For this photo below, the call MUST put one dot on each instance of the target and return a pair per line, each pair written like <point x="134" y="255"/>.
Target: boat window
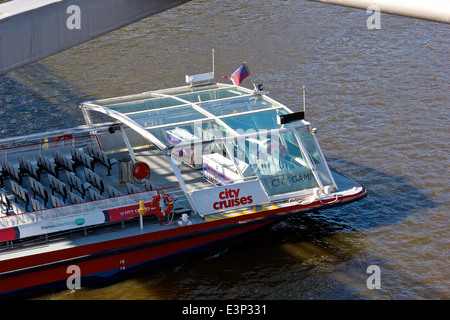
<point x="207" y="95"/>
<point x="276" y="159"/>
<point x="234" y="106"/>
<point x="311" y="146"/>
<point x="229" y="109"/>
<point x="201" y="130"/>
<point x="252" y="122"/>
<point x="165" y="116"/>
<point x="149" y="103"/>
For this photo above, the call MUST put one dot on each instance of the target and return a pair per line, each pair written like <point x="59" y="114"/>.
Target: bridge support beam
<point x="435" y="10"/>
<point x="31" y="30"/>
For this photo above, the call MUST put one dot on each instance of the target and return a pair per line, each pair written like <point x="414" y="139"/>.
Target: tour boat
<point x="153" y="175"/>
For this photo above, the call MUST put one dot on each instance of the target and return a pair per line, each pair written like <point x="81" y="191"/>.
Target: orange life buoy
<point x="156" y="208"/>
<point x="63" y="138"/>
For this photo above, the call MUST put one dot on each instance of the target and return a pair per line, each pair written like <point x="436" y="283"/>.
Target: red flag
<point x="239" y="75"/>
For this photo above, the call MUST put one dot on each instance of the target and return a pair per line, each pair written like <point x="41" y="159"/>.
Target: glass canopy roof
<point x="193" y="113"/>
<point x="247" y="138"/>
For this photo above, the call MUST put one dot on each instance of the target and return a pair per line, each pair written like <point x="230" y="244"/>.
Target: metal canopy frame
<point x="156" y="107"/>
<point x="125" y="118"/>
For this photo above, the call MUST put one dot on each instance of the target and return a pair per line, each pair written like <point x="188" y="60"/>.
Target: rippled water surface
<point x="379" y="98"/>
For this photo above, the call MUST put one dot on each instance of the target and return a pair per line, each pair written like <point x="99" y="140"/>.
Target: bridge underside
<point x="31" y="30"/>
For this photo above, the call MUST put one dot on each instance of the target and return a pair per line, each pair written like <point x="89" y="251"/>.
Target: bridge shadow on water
<point x="34" y="99"/>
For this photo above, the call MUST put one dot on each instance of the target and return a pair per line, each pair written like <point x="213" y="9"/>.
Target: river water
<point x="379" y="98"/>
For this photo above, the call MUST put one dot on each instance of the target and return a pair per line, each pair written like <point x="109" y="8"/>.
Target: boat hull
<point x="105" y="261"/>
<point x="107" y="266"/>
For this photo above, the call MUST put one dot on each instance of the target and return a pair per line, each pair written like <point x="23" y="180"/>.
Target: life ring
<point x="64" y="137"/>
<point x="156" y="208"/>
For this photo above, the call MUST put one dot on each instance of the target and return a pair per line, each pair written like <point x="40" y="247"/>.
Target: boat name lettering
<point x="132" y="211"/>
<point x="229" y="193"/>
<point x="280" y="181"/>
<point x="230" y="198"/>
<point x="128" y="212"/>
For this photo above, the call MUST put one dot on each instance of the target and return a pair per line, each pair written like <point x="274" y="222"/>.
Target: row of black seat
<point x="101" y="157"/>
<point x="64" y="190"/>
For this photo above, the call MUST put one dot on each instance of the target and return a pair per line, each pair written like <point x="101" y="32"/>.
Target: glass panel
<point x="252" y="122"/>
<point x="276" y="159"/>
<point x="149" y="101"/>
<point x="213" y="94"/>
<point x="236" y="105"/>
<point x="166" y="116"/>
<point x="148" y="104"/>
<point x="312" y="148"/>
<point x="190" y="132"/>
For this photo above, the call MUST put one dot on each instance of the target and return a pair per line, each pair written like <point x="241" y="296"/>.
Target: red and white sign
<point x="229" y="197"/>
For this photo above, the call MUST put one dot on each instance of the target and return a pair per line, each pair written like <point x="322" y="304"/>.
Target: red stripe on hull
<point x="125" y="252"/>
<point x="115" y="262"/>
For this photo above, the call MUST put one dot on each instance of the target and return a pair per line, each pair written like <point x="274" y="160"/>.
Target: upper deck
<point x="199" y="112"/>
<point x="234" y="134"/>
<point x="213" y="147"/>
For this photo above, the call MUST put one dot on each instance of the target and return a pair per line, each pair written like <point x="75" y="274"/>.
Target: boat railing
<point x="14" y="147"/>
<point x="83" y="209"/>
<point x="212" y="184"/>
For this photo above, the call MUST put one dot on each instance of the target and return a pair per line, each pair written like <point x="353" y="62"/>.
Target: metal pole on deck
<point x="304" y="99"/>
<point x="250" y="74"/>
<point x="213" y="61"/>
<point x="142" y="210"/>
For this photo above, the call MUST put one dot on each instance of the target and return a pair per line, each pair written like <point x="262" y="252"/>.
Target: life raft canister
<point x="156" y="208"/>
<point x="141" y="171"/>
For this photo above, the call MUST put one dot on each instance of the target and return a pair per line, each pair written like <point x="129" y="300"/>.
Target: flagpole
<point x="250" y="74"/>
<point x="213" y="60"/>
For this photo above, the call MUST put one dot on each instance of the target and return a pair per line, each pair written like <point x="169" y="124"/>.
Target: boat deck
<point x="190" y="138"/>
<point x="31" y="186"/>
<point x="161" y="173"/>
<point x="131" y="227"/>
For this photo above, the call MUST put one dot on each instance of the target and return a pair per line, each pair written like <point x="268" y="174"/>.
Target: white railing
<point x="76" y="209"/>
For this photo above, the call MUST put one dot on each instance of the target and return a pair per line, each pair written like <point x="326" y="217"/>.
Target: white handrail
<point x="75" y="209"/>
